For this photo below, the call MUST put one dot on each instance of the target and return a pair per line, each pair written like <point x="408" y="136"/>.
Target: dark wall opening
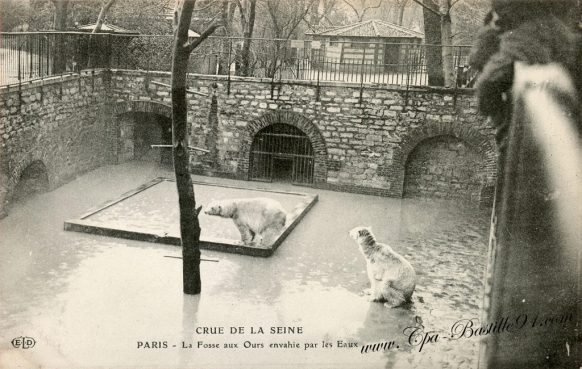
<point x="33" y="179"/>
<point x="152" y="129"/>
<point x="139" y="131"/>
<point x="282" y="152"/>
<point x="444" y="167"/>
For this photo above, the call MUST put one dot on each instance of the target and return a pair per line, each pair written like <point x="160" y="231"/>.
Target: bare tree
<point x="285" y="17"/>
<point x="60" y="24"/>
<point x="437" y="31"/>
<point x="227" y="13"/>
<point x="98" y="25"/>
<point x="248" y="11"/>
<point x="189" y="223"/>
<point x="321" y="10"/>
<point x="400" y="7"/>
<point x="362" y="7"/>
<point x="61" y="12"/>
<point x="102" y="14"/>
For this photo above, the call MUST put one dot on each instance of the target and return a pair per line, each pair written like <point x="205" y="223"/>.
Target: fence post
<point x="19" y="79"/>
<point x="362" y="74"/>
<point x="456" y="66"/>
<point x="317" y="89"/>
<point x="29" y="47"/>
<point x="48" y="55"/>
<point x="228" y="66"/>
<point x="408" y="72"/>
<point x="19" y="67"/>
<point x="109" y="53"/>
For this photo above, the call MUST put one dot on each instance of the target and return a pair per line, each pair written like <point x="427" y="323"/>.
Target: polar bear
<point x="259" y="220"/>
<point x="392" y="278"/>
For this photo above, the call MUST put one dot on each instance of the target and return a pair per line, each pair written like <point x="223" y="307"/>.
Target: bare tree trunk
<point x="225" y="54"/>
<point x="60" y="24"/>
<point x="248" y="34"/>
<point x="102" y="14"/>
<point x="60" y="18"/>
<point x="432" y="36"/>
<point x="447" y="42"/>
<point x="189" y="224"/>
<point x="401" y="8"/>
<point x="100" y="19"/>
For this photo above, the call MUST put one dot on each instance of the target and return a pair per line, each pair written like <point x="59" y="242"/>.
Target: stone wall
<point x="362" y="136"/>
<point x="444" y="167"/>
<point x="60" y="122"/>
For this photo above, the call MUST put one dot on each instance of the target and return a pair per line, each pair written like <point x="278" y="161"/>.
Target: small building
<point x="370" y="43"/>
<point x="100" y="47"/>
<point x="105" y="28"/>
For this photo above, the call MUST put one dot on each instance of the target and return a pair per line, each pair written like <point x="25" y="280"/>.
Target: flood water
<point x="91" y="301"/>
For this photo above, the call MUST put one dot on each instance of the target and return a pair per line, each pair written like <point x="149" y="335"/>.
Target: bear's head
<point x="361" y="233"/>
<point x="213" y="208"/>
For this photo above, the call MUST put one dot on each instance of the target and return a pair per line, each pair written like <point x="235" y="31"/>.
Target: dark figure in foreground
<point x="529" y="53"/>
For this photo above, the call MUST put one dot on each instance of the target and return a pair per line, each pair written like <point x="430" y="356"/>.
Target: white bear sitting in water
<point x="259" y="220"/>
<point x="392" y="278"/>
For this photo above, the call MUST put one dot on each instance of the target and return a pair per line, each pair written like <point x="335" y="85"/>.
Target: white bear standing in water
<point x="259" y="220"/>
<point x="392" y="278"/>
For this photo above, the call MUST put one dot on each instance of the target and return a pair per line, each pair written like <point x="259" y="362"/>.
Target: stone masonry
<point x="61" y="122"/>
<point x="361" y="135"/>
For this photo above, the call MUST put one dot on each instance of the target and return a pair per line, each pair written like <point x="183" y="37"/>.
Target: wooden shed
<point x="371" y="43"/>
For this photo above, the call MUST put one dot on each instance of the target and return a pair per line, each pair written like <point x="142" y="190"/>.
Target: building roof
<point x="371" y="28"/>
<point x="106" y="28"/>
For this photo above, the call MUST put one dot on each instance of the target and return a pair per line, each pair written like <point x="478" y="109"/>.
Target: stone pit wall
<point x="362" y="135"/>
<point x="62" y="122"/>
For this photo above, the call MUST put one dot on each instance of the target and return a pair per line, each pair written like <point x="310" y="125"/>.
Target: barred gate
<point x="281" y="152"/>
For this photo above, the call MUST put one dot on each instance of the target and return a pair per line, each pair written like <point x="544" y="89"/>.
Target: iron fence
<point x="26" y="56"/>
<point x="281" y="152"/>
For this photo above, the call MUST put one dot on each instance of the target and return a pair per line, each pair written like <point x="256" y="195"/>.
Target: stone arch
<point x="128" y="131"/>
<point x="17" y="169"/>
<point x="477" y="141"/>
<point x="33" y="179"/>
<point x="143" y="106"/>
<point x="296" y="120"/>
<point x="11" y="174"/>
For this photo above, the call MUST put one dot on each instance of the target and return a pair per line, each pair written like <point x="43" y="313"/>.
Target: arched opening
<point x="444" y="167"/>
<point x="139" y="131"/>
<point x="33" y="179"/>
<point x="282" y="152"/>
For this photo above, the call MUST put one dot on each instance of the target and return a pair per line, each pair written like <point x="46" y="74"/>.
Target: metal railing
<point x="26" y="56"/>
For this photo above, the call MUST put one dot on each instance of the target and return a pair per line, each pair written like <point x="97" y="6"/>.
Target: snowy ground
<point x="91" y="301"/>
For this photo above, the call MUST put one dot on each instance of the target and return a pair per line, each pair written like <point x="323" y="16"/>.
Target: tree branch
<point x="243" y="17"/>
<point x="353" y="8"/>
<point x="368" y="8"/>
<point x="419" y="2"/>
<point x="209" y="31"/>
<point x="102" y="14"/>
<point x="203" y="8"/>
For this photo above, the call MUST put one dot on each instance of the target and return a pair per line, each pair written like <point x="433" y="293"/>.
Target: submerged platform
<point x="150" y="213"/>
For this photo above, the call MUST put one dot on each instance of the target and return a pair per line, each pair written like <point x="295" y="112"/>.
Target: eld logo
<point x="24" y="343"/>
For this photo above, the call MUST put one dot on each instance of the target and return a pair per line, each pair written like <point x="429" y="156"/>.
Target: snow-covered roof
<point x="106" y="28"/>
<point x="371" y="28"/>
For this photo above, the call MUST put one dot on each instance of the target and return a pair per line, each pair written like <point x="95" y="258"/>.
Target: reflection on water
<point x="88" y="300"/>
